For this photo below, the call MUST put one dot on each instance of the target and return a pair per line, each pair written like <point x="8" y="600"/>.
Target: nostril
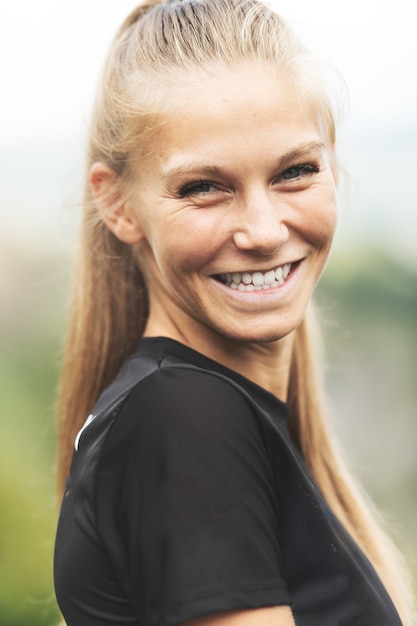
<point x="265" y="241"/>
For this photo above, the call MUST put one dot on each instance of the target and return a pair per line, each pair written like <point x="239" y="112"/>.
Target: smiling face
<point x="236" y="206"/>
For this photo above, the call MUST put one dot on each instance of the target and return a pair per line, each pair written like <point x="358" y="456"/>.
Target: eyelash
<point x="305" y="169"/>
<point x="195" y="187"/>
<point x="202" y="186"/>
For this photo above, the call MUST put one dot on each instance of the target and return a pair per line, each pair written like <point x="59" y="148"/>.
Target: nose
<point x="260" y="225"/>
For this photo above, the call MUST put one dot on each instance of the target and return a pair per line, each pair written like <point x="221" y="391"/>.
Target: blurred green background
<point x="369" y="312"/>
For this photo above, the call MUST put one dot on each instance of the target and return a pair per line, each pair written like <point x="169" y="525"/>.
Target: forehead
<point x="214" y="88"/>
<point x="210" y="113"/>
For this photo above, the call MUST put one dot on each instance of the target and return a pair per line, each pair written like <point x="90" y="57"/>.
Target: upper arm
<point x="268" y="616"/>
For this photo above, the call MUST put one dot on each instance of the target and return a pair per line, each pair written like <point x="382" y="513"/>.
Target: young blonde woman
<point x="204" y="487"/>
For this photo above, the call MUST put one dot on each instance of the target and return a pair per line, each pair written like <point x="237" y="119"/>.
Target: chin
<point x="260" y="335"/>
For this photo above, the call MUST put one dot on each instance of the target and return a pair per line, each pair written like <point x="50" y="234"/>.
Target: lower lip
<point x="263" y="294"/>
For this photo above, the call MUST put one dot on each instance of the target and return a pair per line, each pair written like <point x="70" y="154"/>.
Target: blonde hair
<point x="156" y="45"/>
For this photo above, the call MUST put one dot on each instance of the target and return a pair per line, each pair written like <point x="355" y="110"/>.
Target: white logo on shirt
<point x="86" y="423"/>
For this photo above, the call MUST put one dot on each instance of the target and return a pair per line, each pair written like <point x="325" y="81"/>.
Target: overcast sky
<point x="51" y="52"/>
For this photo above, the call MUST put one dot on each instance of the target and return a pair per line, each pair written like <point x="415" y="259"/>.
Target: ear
<point x="118" y="216"/>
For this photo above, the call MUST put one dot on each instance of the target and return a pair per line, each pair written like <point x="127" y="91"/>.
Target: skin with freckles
<point x="242" y="183"/>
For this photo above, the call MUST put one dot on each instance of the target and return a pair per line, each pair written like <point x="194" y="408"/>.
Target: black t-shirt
<point x="186" y="496"/>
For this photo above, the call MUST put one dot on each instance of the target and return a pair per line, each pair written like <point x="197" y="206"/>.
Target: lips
<point x="256" y="281"/>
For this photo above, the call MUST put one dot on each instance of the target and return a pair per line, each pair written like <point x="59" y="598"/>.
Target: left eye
<point x="298" y="171"/>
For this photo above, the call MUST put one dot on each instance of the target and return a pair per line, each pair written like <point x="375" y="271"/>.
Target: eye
<point x="199" y="187"/>
<point x="297" y="172"/>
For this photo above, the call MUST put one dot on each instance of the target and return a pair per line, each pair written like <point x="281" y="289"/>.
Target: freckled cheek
<point x="320" y="223"/>
<point x="328" y="224"/>
<point x="183" y="254"/>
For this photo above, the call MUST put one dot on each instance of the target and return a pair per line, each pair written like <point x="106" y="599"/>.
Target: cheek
<point x="181" y="252"/>
<point x="190" y="243"/>
<point x="321" y="219"/>
<point x="327" y="224"/>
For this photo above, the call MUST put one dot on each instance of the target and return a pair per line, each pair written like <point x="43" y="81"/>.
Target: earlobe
<point x="117" y="214"/>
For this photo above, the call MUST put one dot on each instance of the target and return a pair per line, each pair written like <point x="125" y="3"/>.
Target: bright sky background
<point x="51" y="52"/>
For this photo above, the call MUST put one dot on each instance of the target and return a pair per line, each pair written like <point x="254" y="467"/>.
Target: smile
<point x="256" y="281"/>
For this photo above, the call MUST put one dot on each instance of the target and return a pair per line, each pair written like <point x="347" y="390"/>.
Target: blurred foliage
<point x="368" y="308"/>
<point x="368" y="304"/>
<point x="31" y="323"/>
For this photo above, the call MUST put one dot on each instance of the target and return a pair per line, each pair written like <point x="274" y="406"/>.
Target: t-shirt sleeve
<point x="185" y="500"/>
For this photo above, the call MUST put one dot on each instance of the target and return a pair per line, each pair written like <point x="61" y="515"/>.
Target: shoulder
<point x="185" y="397"/>
<point x="184" y="433"/>
<point x="182" y="417"/>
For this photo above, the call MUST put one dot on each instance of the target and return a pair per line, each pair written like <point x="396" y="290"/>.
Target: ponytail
<point x="109" y="309"/>
<point x="312" y="434"/>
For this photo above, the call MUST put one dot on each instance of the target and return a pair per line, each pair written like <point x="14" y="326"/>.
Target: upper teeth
<point x="246" y="281"/>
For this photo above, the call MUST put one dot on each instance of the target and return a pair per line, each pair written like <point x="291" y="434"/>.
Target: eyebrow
<point x="298" y="152"/>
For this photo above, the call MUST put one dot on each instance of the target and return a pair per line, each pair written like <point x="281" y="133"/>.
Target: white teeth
<point x="269" y="278"/>
<point x="257" y="281"/>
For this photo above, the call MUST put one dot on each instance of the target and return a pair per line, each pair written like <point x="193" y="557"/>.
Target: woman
<point x="204" y="486"/>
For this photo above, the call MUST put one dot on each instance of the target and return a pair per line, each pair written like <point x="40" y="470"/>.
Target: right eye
<point x="199" y="187"/>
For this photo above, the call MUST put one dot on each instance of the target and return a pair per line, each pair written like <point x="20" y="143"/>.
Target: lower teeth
<point x="243" y="287"/>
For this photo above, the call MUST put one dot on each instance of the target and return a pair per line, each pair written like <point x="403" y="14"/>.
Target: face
<point x="236" y="207"/>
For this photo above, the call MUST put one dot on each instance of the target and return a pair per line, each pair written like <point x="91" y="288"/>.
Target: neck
<point x="266" y="364"/>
